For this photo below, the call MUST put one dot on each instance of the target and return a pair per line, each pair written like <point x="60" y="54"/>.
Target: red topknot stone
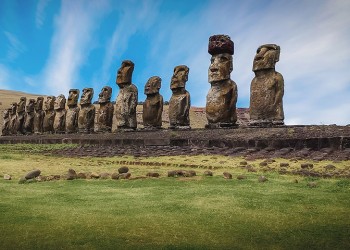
<point x="219" y="44"/>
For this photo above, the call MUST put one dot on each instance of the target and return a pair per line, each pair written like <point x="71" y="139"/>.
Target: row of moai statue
<point x="266" y="108"/>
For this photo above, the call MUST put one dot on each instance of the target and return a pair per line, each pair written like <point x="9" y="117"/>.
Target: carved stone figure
<point x="126" y="103"/>
<point x="87" y="112"/>
<point x="21" y="115"/>
<point x="267" y="88"/>
<point x="153" y="105"/>
<point x="222" y="96"/>
<point x="104" y="115"/>
<point x="59" y="125"/>
<point x="13" y="118"/>
<point x="6" y="122"/>
<point x="73" y="111"/>
<point x="29" y="117"/>
<point x="180" y="101"/>
<point x="50" y="113"/>
<point x="39" y="115"/>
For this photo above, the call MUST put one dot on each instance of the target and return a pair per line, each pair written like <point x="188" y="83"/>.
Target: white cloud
<point x="4" y="77"/>
<point x="40" y="13"/>
<point x="15" y="47"/>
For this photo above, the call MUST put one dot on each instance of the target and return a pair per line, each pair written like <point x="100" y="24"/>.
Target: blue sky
<point x="50" y="46"/>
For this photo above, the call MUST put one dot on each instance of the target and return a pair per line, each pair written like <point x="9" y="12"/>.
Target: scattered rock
<point x="312" y="184"/>
<point x="94" y="175"/>
<point x="227" y="175"/>
<point x="306" y="165"/>
<point x="7" y="177"/>
<point x="262" y="178"/>
<point x="241" y="177"/>
<point x="81" y="175"/>
<point x="104" y="176"/>
<point x="153" y="174"/>
<point x="329" y="167"/>
<point x="115" y="176"/>
<point x="284" y="164"/>
<point x="243" y="163"/>
<point x="208" y="173"/>
<point x="41" y="178"/>
<point x="32" y="174"/>
<point x="250" y="168"/>
<point x="190" y="173"/>
<point x="172" y="173"/>
<point x="71" y="175"/>
<point x="124" y="176"/>
<point x="263" y="164"/>
<point x="123" y="170"/>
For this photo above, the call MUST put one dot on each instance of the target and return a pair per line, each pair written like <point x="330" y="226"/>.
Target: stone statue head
<point x="30" y="106"/>
<point x="266" y="57"/>
<point x="105" y="94"/>
<point x="60" y="102"/>
<point x="153" y="85"/>
<point x="22" y="104"/>
<point x="39" y="103"/>
<point x="86" y="96"/>
<point x="49" y="103"/>
<point x="221" y="48"/>
<point x="124" y="74"/>
<point x="180" y="77"/>
<point x="73" y="97"/>
<point x="13" y="108"/>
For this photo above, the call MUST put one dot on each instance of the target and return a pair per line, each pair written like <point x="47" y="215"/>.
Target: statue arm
<point x="279" y="88"/>
<point x="160" y="111"/>
<point x="234" y="95"/>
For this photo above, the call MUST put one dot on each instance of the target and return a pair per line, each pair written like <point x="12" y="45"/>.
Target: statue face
<point x="124" y="73"/>
<point x="60" y="102"/>
<point x="21" y="105"/>
<point x="73" y="97"/>
<point x="86" y="96"/>
<point x="179" y="77"/>
<point x="49" y="103"/>
<point x="105" y="94"/>
<point x="30" y="106"/>
<point x="266" y="57"/>
<point x="220" y="67"/>
<point x="39" y="104"/>
<point x="13" y="108"/>
<point x="153" y="85"/>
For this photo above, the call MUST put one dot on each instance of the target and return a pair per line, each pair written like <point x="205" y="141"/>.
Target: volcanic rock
<point x="32" y="174"/>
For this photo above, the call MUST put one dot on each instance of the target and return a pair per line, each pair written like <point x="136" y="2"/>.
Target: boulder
<point x="208" y="173"/>
<point x="172" y="173"/>
<point x="227" y="175"/>
<point x="243" y="163"/>
<point x="284" y="164"/>
<point x="32" y="174"/>
<point x="104" y="176"/>
<point x="153" y="174"/>
<point x="94" y="175"/>
<point x="115" y="176"/>
<point x="306" y="165"/>
<point x="7" y="177"/>
<point x="81" y="175"/>
<point x="123" y="170"/>
<point x="71" y="175"/>
<point x="328" y="167"/>
<point x="124" y="176"/>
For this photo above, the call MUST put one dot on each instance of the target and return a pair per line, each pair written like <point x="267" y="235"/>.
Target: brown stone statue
<point x="29" y="117"/>
<point x="39" y="115"/>
<point x="50" y="113"/>
<point x="59" y="125"/>
<point x="222" y="96"/>
<point x="73" y="111"/>
<point x="13" y="118"/>
<point x="6" y="122"/>
<point x="153" y="105"/>
<point x="126" y="103"/>
<point x="104" y="115"/>
<point x="267" y="88"/>
<point x="180" y="101"/>
<point x="21" y="115"/>
<point x="87" y="112"/>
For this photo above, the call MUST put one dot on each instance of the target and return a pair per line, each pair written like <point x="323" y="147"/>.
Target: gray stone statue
<point x="153" y="105"/>
<point x="50" y="113"/>
<point x="29" y="117"/>
<point x="6" y="122"/>
<point x="222" y="96"/>
<point x="72" y="112"/>
<point x="126" y="103"/>
<point x="39" y="115"/>
<point x="87" y="112"/>
<point x="266" y="89"/>
<point x="104" y="115"/>
<point x="180" y="101"/>
<point x="21" y="115"/>
<point x="13" y="118"/>
<point x="59" y="125"/>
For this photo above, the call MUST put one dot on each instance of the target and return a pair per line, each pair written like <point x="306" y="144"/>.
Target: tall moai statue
<point x="266" y="89"/>
<point x="29" y="117"/>
<point x="39" y="115"/>
<point x="153" y="105"/>
<point x="59" y="125"/>
<point x="126" y="103"/>
<point x="6" y="122"/>
<point x="50" y="113"/>
<point x="222" y="96"/>
<point x="180" y="101"/>
<point x="73" y="111"/>
<point x="86" y="116"/>
<point x="21" y="115"/>
<point x="104" y="114"/>
<point x="13" y="118"/>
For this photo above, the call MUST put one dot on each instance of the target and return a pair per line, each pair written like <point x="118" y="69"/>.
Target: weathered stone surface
<point x="86" y="117"/>
<point x="21" y="115"/>
<point x="227" y="175"/>
<point x="126" y="103"/>
<point x="104" y="114"/>
<point x="71" y="174"/>
<point x="59" y="124"/>
<point x="13" y="118"/>
<point x="180" y="101"/>
<point x="262" y="178"/>
<point x="32" y="174"/>
<point x="7" y="177"/>
<point x="153" y="174"/>
<point x="5" y="130"/>
<point x="208" y="173"/>
<point x="153" y="105"/>
<point x="222" y="96"/>
<point x="73" y="111"/>
<point x="123" y="169"/>
<point x="50" y="113"/>
<point x="28" y="127"/>
<point x="39" y="116"/>
<point x="267" y="88"/>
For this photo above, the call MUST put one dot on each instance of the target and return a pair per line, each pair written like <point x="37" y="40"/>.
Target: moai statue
<point x="126" y="103"/>
<point x="266" y="89"/>
<point x="73" y="111"/>
<point x="153" y="105"/>
<point x="21" y="115"/>
<point x="180" y="101"/>
<point x="222" y="96"/>
<point x="13" y="118"/>
<point x="6" y="122"/>
<point x="87" y="112"/>
<point x="104" y="115"/>
<point x="59" y="125"/>
<point x="39" y="115"/>
<point x="29" y="117"/>
<point x="50" y="113"/>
